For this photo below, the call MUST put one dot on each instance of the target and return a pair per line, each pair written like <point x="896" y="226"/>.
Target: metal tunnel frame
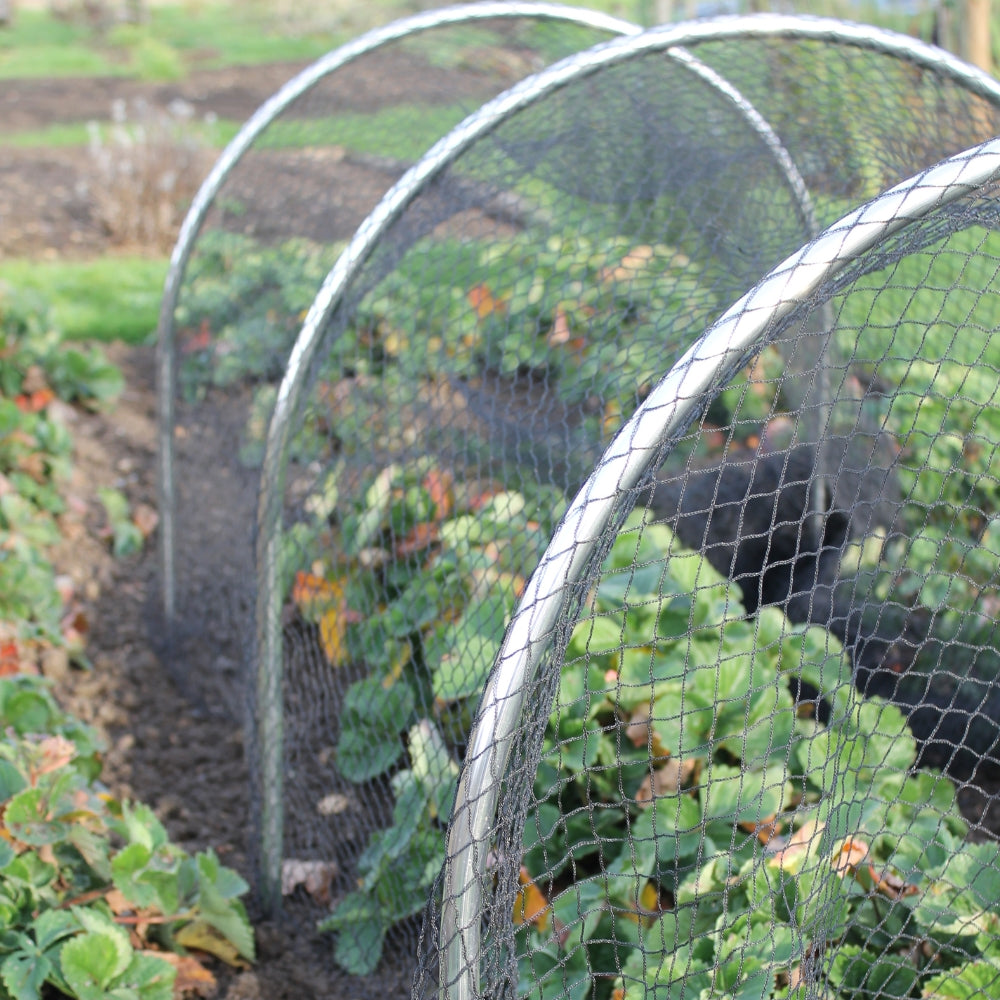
<point x="575" y="543"/>
<point x="166" y="365"/>
<point x="269" y="597"/>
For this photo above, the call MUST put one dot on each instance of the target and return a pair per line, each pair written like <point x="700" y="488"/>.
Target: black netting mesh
<point x="762" y="773"/>
<point x="698" y="801"/>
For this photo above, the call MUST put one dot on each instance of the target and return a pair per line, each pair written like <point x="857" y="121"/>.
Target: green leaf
<point x="28" y="712"/>
<point x="140" y="825"/>
<point x="360" y="933"/>
<point x="372" y="719"/>
<point x="739" y="796"/>
<point x="11" y="782"/>
<point x="217" y="906"/>
<point x="971" y="981"/>
<point x="433" y="766"/>
<point x="27" y="818"/>
<point x="92" y="960"/>
<point x="599" y="636"/>
<point x="52" y="926"/>
<point x="675" y="825"/>
<point x="127" y="867"/>
<point x="462" y="672"/>
<point x="24" y="974"/>
<point x="146" y="978"/>
<point x="862" y="973"/>
<point x="126" y="538"/>
<point x="359" y="759"/>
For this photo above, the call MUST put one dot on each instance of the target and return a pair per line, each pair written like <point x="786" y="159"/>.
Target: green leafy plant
<point x="89" y="887"/>
<point x="36" y="370"/>
<point x="693" y="834"/>
<point x="34" y="360"/>
<point x="433" y="567"/>
<point x="92" y="892"/>
<point x="561" y="313"/>
<point x="243" y="306"/>
<point x="399" y="865"/>
<point x="126" y="536"/>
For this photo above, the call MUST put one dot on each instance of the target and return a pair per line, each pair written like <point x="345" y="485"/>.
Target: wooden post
<point x="975" y="34"/>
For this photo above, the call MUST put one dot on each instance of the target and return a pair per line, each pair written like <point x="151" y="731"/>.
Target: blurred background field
<point x="111" y="114"/>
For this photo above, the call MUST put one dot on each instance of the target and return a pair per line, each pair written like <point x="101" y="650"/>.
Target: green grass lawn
<point x="109" y="298"/>
<point x="402" y="132"/>
<point x="177" y="38"/>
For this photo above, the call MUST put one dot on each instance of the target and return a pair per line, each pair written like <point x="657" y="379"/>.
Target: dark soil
<point x="178" y="750"/>
<point x="46" y="205"/>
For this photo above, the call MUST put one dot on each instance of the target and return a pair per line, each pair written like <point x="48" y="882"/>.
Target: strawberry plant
<point x="36" y="370"/>
<point x="430" y="572"/>
<point x="37" y="366"/>
<point x="694" y="835"/>
<point x="94" y="899"/>
<point x="91" y="887"/>
<point x="561" y="312"/>
<point x="243" y="304"/>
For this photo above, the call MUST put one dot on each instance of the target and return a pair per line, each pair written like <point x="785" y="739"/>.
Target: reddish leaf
<point x="440" y="486"/>
<point x="10" y="658"/>
<point x="34" y="402"/>
<point x="530" y="904"/>
<point x="483" y="301"/>
<point x="199" y="341"/>
<point x="421" y="536"/>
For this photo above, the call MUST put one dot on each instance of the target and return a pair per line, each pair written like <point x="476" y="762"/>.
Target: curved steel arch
<point x="629" y="458"/>
<point x="258" y="123"/>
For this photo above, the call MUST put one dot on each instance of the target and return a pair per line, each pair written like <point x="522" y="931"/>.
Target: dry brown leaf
<point x="765" y="830"/>
<point x="788" y="852"/>
<point x="420" y="537"/>
<point x="145" y="518"/>
<point x="440" y="486"/>
<point x="483" y="301"/>
<point x="193" y="979"/>
<point x="118" y="902"/>
<point x="891" y="885"/>
<point x="316" y="877"/>
<point x="665" y="780"/>
<point x="334" y="804"/>
<point x="850" y="855"/>
<point x="530" y="904"/>
<point x="56" y="752"/>
<point x="200" y="936"/>
<point x="560" y="332"/>
<point x="637" y="728"/>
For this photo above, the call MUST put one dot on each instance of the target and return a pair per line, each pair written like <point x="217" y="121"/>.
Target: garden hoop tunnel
<point x="667" y="40"/>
